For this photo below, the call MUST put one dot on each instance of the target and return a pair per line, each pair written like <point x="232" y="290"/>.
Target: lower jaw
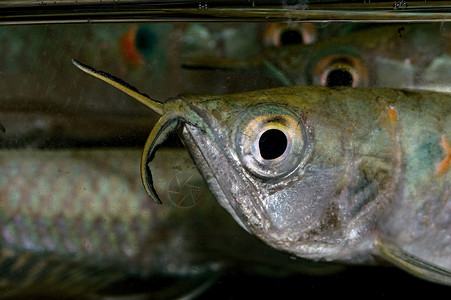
<point x="207" y="173"/>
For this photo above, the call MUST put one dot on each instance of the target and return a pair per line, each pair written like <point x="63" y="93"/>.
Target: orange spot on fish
<point x="128" y="47"/>
<point x="446" y="162"/>
<point x="392" y="114"/>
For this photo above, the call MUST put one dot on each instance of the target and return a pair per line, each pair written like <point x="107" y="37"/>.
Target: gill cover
<point x="173" y="114"/>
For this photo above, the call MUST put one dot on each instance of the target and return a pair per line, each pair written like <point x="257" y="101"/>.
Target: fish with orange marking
<point x="316" y="171"/>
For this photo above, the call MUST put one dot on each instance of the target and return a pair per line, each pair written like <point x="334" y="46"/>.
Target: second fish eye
<point x="291" y="37"/>
<point x="339" y="77"/>
<point x="280" y="34"/>
<point x="340" y="70"/>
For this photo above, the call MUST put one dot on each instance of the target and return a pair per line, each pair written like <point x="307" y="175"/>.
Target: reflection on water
<point x="56" y="205"/>
<point x="87" y="11"/>
<point x="167" y="59"/>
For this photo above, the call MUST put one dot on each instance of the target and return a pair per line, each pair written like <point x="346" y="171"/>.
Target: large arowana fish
<point x="329" y="174"/>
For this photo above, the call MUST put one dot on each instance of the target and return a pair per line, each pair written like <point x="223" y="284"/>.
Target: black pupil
<point x="339" y="78"/>
<point x="272" y="143"/>
<point x="291" y="37"/>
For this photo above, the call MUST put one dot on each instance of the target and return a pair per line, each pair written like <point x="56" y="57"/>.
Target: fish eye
<point x="340" y="70"/>
<point x="291" y="37"/>
<point x="339" y="77"/>
<point x="270" y="140"/>
<point x="272" y="144"/>
<point x="279" y="34"/>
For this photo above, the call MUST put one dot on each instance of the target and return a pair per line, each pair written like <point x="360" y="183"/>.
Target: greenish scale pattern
<point x="82" y="207"/>
<point x="83" y="222"/>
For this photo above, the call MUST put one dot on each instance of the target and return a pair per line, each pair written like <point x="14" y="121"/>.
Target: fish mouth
<point x="209" y="151"/>
<point x="165" y="126"/>
<point x="238" y="195"/>
<point x="177" y="114"/>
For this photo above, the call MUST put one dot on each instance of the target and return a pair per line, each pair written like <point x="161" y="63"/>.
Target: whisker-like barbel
<point x="121" y="85"/>
<point x="154" y="139"/>
<point x="173" y="114"/>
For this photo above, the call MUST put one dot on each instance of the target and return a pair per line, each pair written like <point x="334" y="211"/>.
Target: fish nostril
<point x="272" y="144"/>
<point x="291" y="37"/>
<point x="339" y="77"/>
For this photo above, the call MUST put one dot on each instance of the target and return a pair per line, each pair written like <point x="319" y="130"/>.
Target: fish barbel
<point x="327" y="174"/>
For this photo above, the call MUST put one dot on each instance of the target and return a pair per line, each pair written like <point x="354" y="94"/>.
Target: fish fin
<point x="201" y="288"/>
<point x="412" y="264"/>
<point x="122" y="86"/>
<point x="27" y="274"/>
<point x="215" y="63"/>
<point x="166" y="125"/>
<point x="158" y="287"/>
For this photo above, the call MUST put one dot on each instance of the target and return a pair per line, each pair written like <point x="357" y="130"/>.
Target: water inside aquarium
<point x="75" y="220"/>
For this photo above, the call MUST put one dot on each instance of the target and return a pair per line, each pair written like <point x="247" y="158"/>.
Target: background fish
<point x="78" y="223"/>
<point x="326" y="174"/>
<point x="34" y="78"/>
<point x="383" y="55"/>
<point x="63" y="109"/>
<point x="401" y="55"/>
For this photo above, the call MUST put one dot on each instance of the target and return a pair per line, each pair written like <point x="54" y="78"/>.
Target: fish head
<point x="251" y="153"/>
<point x="285" y="165"/>
<point x="288" y="164"/>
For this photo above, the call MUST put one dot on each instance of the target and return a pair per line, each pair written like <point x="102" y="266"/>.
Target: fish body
<point x="360" y="171"/>
<point x="66" y="222"/>
<point x="328" y="174"/>
<point x="359" y="166"/>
